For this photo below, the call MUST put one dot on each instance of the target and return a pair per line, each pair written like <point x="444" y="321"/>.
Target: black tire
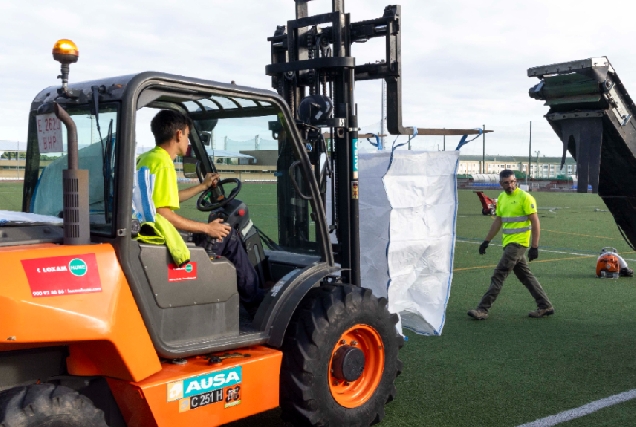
<point x="47" y="405"/>
<point x="485" y="211"/>
<point x="314" y="331"/>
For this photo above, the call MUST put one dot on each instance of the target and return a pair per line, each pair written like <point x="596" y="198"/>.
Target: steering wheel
<point x="214" y="197"/>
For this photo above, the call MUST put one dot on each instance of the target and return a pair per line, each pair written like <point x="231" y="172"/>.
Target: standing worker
<point x="517" y="211"/>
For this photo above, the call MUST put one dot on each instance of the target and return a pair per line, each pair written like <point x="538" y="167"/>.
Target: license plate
<point x="206" y="398"/>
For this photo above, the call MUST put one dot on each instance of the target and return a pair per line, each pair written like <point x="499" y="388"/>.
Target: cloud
<point x="464" y="62"/>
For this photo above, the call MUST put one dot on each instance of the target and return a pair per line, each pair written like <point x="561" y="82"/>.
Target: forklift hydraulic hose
<point x="293" y="180"/>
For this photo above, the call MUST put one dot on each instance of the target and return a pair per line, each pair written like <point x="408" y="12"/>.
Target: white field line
<point x="542" y="250"/>
<point x="582" y="411"/>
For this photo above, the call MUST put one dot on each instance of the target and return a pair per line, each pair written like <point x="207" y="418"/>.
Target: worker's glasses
<point x="514" y="181"/>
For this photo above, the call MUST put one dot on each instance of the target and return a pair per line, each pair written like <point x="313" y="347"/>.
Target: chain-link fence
<point x="254" y="143"/>
<point x="521" y="147"/>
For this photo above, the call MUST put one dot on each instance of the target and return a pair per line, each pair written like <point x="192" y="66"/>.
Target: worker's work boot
<point x="541" y="312"/>
<point x="478" y="314"/>
<point x="626" y="272"/>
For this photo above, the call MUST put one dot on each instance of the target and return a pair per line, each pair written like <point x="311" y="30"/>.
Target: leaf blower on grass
<point x="611" y="265"/>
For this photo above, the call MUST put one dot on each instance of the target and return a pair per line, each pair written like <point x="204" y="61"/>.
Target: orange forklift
<point x="98" y="328"/>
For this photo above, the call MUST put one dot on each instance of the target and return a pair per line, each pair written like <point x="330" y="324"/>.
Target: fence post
<point x="483" y="155"/>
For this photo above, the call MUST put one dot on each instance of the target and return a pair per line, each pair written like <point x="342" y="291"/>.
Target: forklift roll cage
<point x="156" y="90"/>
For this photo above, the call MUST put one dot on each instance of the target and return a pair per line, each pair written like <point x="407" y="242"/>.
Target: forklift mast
<point x="313" y="70"/>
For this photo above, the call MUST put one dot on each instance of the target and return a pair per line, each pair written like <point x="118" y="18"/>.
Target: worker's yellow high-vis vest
<point x="514" y="210"/>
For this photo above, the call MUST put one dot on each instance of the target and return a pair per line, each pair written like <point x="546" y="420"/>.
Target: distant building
<point x="12" y="147"/>
<point x="543" y="167"/>
<point x="12" y="161"/>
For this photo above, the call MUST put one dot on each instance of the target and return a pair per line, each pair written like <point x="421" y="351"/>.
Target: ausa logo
<point x="204" y="383"/>
<point x="77" y="267"/>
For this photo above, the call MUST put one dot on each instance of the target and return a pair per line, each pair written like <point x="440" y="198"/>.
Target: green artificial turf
<point x="510" y="369"/>
<point x="10" y="196"/>
<point x="261" y="202"/>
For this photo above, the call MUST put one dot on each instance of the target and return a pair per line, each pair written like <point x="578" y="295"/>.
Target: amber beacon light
<point x="65" y="52"/>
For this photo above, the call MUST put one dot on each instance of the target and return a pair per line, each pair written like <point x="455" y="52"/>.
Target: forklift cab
<point x="278" y="213"/>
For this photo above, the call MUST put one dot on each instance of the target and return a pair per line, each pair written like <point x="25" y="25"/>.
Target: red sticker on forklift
<point x="187" y="272"/>
<point x="62" y="275"/>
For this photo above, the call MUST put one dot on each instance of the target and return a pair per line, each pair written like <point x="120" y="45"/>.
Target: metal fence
<point x="256" y="143"/>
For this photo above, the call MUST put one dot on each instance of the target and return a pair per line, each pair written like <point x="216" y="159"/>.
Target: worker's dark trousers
<point x="513" y="259"/>
<point x="247" y="280"/>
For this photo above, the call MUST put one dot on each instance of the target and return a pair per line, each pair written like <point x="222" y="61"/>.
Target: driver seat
<point x="194" y="302"/>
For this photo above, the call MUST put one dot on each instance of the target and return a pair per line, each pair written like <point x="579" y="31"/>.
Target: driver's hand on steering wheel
<point x="211" y="179"/>
<point x="218" y="229"/>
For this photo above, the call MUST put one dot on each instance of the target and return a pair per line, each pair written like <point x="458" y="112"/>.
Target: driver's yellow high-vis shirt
<point x="166" y="190"/>
<point x="514" y="210"/>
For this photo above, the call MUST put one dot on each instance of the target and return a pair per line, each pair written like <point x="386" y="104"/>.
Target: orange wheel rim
<point x="356" y="393"/>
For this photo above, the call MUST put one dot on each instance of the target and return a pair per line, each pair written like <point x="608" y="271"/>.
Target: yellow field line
<point x="577" y="234"/>
<point x="543" y="260"/>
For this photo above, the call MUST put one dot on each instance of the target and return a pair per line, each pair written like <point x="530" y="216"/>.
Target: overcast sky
<point x="464" y="62"/>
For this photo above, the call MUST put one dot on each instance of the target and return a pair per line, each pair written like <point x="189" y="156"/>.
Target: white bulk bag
<point x="407" y="232"/>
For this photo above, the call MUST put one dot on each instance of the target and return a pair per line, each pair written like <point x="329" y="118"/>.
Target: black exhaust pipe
<point x="75" y="188"/>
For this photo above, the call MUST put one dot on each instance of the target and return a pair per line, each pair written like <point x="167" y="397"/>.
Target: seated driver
<point x="171" y="130"/>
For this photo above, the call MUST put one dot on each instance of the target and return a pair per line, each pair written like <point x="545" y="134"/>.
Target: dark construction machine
<point x="593" y="115"/>
<point x="100" y="329"/>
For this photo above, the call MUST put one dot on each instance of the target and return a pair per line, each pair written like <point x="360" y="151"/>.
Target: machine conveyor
<point x="592" y="113"/>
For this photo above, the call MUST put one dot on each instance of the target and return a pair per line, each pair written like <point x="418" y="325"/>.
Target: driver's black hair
<point x="166" y="123"/>
<point x="505" y="173"/>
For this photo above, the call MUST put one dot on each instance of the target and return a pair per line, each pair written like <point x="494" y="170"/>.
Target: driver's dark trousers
<point x="247" y="280"/>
